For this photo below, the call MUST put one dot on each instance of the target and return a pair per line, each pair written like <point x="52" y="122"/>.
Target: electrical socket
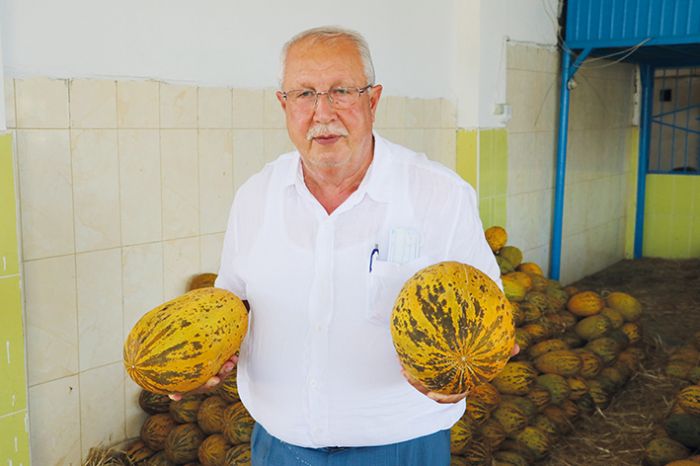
<point x="504" y="110"/>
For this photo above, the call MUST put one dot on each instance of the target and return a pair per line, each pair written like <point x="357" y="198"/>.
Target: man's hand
<point x="515" y="350"/>
<point x="439" y="397"/>
<point x="210" y="384"/>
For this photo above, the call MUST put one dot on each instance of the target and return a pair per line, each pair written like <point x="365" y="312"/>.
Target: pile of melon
<point x="679" y="436"/>
<point x="207" y="430"/>
<point x="684" y="362"/>
<point x="211" y="429"/>
<point x="577" y="349"/>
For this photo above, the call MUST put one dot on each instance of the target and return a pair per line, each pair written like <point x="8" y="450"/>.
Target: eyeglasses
<point x="340" y="98"/>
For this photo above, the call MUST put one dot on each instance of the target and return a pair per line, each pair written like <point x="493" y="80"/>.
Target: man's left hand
<point x="439" y="397"/>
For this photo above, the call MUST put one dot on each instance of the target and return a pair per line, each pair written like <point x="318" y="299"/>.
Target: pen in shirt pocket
<point x="375" y="251"/>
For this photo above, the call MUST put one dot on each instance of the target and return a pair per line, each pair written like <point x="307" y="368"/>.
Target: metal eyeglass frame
<point x="360" y="91"/>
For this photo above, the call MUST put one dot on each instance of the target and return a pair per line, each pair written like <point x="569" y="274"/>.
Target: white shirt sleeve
<point x="468" y="242"/>
<point x="228" y="277"/>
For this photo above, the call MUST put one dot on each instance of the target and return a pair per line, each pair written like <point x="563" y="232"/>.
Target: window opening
<point x="675" y="120"/>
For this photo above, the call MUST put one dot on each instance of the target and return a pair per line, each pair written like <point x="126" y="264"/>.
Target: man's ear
<point x="375" y="92"/>
<point x="282" y="100"/>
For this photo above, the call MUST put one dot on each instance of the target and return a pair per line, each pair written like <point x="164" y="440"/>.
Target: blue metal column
<point x="567" y="72"/>
<point x="647" y="77"/>
<point x="555" y="253"/>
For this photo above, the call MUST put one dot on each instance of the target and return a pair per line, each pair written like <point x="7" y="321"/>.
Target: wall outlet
<point x="503" y="110"/>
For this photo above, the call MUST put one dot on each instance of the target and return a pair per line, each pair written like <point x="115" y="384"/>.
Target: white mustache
<point x="322" y="130"/>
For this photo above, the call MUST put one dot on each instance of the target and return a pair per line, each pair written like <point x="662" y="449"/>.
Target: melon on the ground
<point x="238" y="455"/>
<point x="182" y="443"/>
<point x="153" y="403"/>
<point x="626" y="304"/>
<point x="202" y="280"/>
<point x="585" y="303"/>
<point x="689" y="399"/>
<point x="155" y="430"/>
<point x="496" y="237"/>
<point x="238" y="424"/>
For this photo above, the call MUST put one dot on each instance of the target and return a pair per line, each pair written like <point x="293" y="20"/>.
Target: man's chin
<point x="327" y="158"/>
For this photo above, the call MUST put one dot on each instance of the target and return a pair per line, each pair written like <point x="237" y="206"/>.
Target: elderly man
<point x="319" y="243"/>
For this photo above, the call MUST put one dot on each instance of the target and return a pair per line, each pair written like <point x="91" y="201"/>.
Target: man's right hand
<point x="210" y="384"/>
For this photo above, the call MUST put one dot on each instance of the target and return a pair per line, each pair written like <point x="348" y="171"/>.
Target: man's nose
<point x="324" y="110"/>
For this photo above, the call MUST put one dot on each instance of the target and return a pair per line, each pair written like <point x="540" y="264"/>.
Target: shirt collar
<point x="376" y="182"/>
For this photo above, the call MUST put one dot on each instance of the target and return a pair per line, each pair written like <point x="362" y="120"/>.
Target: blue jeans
<point x="431" y="450"/>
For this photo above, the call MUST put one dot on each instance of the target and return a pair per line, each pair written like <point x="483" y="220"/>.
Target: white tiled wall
<point x="54" y="419"/>
<point x="46" y="192"/>
<point x="52" y="318"/>
<point x="595" y="189"/>
<point x="532" y="91"/>
<point x="423" y="125"/>
<point x="125" y="188"/>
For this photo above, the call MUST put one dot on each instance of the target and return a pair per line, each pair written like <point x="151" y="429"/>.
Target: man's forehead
<point x="308" y="58"/>
<point x="315" y="46"/>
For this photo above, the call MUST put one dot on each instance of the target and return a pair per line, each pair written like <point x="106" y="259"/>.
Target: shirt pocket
<point x="384" y="284"/>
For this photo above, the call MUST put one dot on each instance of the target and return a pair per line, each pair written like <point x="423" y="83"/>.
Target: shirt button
<point x="319" y="327"/>
<point x="313" y="383"/>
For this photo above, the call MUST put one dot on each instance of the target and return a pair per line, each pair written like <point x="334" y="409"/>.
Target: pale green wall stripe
<point x="493" y="176"/>
<point x="672" y="216"/>
<point x="14" y="438"/>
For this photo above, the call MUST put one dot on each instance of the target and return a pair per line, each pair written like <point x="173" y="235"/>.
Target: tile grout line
<point x="199" y="181"/>
<point x="160" y="164"/>
<point x="75" y="264"/>
<point x="24" y="410"/>
<point x="145" y="243"/>
<point x="121" y="245"/>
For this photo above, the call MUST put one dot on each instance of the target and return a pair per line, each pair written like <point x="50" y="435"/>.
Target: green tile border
<point x="498" y="212"/>
<point x="8" y="214"/>
<point x="14" y="435"/>
<point x="13" y="428"/>
<point x="467" y="163"/>
<point x="13" y="390"/>
<point x="493" y="176"/>
<point x="670" y="217"/>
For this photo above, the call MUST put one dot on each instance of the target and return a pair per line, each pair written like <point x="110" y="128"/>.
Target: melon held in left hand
<point x="452" y="328"/>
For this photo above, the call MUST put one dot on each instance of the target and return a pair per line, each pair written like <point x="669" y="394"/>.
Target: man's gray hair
<point x="331" y="33"/>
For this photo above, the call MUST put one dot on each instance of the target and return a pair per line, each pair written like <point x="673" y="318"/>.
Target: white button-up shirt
<point x="317" y="367"/>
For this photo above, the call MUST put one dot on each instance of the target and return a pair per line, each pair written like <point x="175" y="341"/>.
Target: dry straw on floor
<point x="619" y="434"/>
<point x="100" y="456"/>
<point x="669" y="291"/>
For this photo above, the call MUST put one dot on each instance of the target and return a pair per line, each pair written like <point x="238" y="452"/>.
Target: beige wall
<point x="124" y="192"/>
<point x="532" y="92"/>
<point x="595" y="212"/>
<point x="596" y="183"/>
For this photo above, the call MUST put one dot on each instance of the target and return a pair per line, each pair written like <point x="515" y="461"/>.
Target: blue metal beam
<point x="677" y="110"/>
<point x="567" y="72"/>
<point x="647" y="75"/>
<point x="671" y="125"/>
<point x="579" y="59"/>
